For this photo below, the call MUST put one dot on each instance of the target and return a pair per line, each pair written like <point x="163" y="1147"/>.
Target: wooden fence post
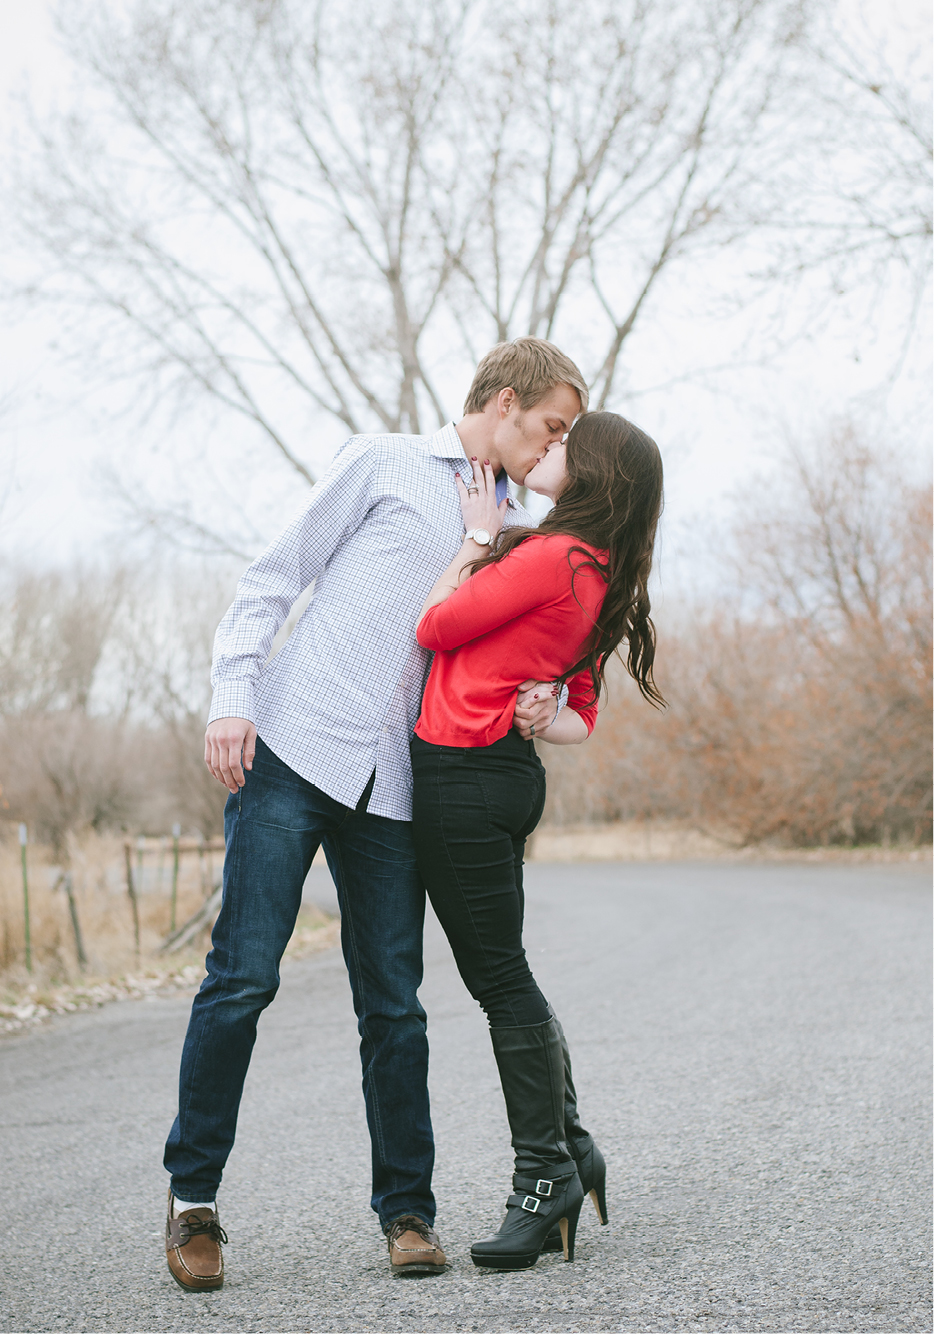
<point x="176" y="834"/>
<point x="23" y="839"/>
<point x="64" y="879"/>
<point x="131" y="890"/>
<point x="73" y="910"/>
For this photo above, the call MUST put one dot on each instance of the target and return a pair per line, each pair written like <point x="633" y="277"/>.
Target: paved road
<point x="751" y="1046"/>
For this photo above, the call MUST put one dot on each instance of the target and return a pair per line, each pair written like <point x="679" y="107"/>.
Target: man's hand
<point x="224" y="742"/>
<point x="536" y="706"/>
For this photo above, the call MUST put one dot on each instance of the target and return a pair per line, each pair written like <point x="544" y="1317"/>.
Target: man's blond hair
<point x="531" y="367"/>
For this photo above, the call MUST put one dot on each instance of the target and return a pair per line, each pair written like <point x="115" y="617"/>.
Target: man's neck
<point x="476" y="437"/>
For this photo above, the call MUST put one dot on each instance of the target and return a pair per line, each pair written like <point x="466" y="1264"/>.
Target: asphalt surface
<point x="751" y="1048"/>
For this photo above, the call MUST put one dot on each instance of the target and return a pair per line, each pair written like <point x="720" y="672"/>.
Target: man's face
<point x="522" y="438"/>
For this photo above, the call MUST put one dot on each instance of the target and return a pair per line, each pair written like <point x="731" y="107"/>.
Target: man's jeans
<point x="273" y="828"/>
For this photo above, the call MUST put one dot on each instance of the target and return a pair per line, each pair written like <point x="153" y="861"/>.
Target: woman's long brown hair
<point x="612" y="500"/>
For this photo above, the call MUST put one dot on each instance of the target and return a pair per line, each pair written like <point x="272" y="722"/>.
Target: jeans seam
<point x="345" y="912"/>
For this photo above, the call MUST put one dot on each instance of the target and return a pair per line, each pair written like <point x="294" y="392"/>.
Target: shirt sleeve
<point x="526" y="578"/>
<point x="338" y="505"/>
<point x="581" y="700"/>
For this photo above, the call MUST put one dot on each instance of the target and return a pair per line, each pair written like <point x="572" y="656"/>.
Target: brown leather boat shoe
<point x="193" y="1248"/>
<point x="414" y="1247"/>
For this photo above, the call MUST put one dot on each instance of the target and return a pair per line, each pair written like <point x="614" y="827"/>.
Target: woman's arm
<point x="571" y="725"/>
<point x="568" y="729"/>
<point x="479" y="511"/>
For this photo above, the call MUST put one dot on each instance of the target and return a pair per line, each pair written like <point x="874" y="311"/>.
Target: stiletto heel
<point x="531" y="1212"/>
<point x="568" y="1229"/>
<point x="598" y="1195"/>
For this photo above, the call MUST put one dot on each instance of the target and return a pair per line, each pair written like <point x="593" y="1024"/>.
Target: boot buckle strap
<point x="530" y="1204"/>
<point x="544" y="1188"/>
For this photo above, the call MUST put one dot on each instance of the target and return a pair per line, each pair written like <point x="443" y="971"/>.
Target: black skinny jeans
<point x="473" y="809"/>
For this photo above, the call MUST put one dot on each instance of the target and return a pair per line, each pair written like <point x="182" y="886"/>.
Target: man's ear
<point x="505" y="400"/>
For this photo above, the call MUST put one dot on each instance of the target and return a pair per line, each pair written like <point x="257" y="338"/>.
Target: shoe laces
<point x="207" y="1227"/>
<point x="409" y="1223"/>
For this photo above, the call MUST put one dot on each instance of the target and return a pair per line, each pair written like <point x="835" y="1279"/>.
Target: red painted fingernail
<point x="473" y="458"/>
<point x="486" y="462"/>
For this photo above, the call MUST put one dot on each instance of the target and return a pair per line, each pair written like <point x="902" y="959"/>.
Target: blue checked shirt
<point x="342" y="696"/>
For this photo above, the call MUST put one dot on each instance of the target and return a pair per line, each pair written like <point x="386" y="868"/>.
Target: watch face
<point x="482" y="536"/>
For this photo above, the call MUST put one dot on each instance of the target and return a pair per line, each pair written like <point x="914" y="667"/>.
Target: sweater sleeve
<point x="527" y="578"/>
<point x="581" y="700"/>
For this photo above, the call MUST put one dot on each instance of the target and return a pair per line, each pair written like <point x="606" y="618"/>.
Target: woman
<point x="546" y="603"/>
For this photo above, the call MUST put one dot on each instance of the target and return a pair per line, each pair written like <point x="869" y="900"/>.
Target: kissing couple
<point x="397" y="729"/>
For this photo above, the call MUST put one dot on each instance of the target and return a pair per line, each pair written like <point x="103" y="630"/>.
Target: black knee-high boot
<point x="547" y="1189"/>
<point x="591" y="1167"/>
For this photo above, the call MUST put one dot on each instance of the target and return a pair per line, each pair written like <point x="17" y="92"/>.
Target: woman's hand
<point x="480" y="510"/>
<point x="478" y="499"/>
<point x="536" y="707"/>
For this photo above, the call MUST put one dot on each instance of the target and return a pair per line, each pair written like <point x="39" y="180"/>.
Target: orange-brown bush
<point x="801" y="707"/>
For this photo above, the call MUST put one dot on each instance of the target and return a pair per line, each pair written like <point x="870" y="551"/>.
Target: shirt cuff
<point x="562" y="700"/>
<point x="234" y="699"/>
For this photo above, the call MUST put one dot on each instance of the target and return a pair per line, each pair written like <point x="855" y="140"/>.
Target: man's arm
<point x="265" y="594"/>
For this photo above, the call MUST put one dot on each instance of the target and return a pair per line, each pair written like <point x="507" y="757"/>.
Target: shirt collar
<point x="447" y="444"/>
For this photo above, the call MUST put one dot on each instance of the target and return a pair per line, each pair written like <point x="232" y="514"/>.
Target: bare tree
<point x="295" y="210"/>
<point x="866" y="216"/>
<point x="840" y="548"/>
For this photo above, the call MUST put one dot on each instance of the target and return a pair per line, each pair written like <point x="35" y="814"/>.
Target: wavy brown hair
<point x="612" y="500"/>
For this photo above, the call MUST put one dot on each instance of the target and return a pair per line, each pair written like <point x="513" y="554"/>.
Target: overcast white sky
<point x="52" y="436"/>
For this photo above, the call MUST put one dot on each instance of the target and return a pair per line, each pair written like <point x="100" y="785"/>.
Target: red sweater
<point x="509" y="622"/>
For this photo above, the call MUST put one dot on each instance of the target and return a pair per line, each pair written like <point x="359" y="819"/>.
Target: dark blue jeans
<point x="273" y="828"/>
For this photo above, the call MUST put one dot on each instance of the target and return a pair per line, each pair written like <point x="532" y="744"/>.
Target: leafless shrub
<point x="104" y="687"/>
<point x="804" y="718"/>
<point x="53" y="633"/>
<point x="64" y="771"/>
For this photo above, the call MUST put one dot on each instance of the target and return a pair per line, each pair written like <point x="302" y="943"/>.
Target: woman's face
<point x="549" y="475"/>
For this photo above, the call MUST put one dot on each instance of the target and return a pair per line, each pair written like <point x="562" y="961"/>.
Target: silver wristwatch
<point x="480" y="536"/>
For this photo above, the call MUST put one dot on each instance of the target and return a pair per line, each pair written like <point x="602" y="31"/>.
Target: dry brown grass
<point x="114" y="969"/>
<point x="97" y="867"/>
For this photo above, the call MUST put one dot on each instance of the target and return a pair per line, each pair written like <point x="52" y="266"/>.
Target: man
<point x="313" y="747"/>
